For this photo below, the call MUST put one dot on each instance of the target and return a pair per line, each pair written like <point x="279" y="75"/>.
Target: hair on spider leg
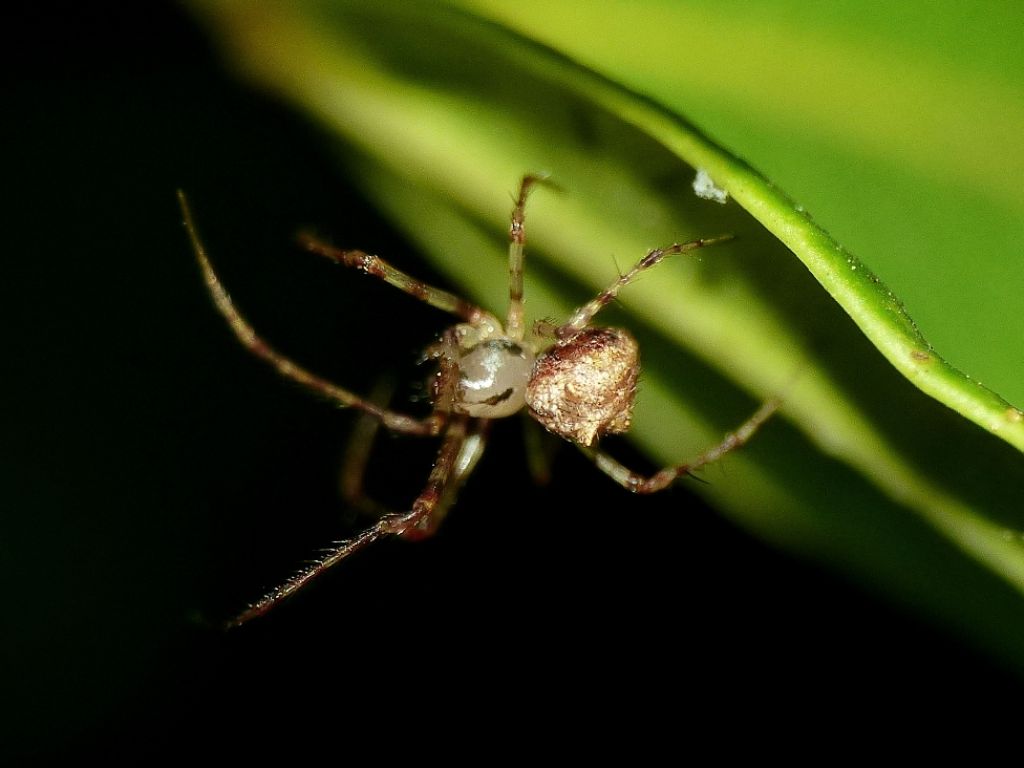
<point x="576" y="380"/>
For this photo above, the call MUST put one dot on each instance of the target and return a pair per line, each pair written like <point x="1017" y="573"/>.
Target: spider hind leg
<point x="639" y="483"/>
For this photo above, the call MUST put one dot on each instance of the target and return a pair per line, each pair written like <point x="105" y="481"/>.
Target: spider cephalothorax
<point x="492" y="378"/>
<point x="577" y="380"/>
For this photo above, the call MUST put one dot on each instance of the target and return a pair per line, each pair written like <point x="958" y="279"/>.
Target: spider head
<point x="584" y="387"/>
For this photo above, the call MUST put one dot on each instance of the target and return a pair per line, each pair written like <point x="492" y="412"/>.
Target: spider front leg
<point x="246" y="334"/>
<point x="637" y="483"/>
<point x="376" y="266"/>
<point x="514" y="325"/>
<point x="583" y="315"/>
<point x="436" y="491"/>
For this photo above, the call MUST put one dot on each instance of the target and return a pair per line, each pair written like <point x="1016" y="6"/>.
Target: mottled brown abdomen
<point x="584" y="388"/>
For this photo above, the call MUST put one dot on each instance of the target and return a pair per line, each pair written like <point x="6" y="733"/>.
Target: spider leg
<point x="517" y="239"/>
<point x="583" y="315"/>
<point x="357" y="458"/>
<point x="540" y="451"/>
<point x="470" y="453"/>
<point x="638" y="483"/>
<point x="426" y="503"/>
<point x="376" y="266"/>
<point x="431" y="425"/>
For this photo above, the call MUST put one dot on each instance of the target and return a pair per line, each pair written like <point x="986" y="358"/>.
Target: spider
<point x="577" y="380"/>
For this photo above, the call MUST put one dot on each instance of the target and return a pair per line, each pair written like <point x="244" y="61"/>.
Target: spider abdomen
<point x="584" y="388"/>
<point x="492" y="379"/>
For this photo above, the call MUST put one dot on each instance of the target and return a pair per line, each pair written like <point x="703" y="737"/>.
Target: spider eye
<point x="585" y="387"/>
<point x="492" y="379"/>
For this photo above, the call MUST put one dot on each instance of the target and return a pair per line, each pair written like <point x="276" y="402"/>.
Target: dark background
<point x="155" y="478"/>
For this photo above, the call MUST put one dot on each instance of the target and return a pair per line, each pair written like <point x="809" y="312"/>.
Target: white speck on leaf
<point x="705" y="187"/>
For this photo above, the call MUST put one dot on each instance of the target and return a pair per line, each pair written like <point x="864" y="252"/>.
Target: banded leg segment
<point x="357" y="458"/>
<point x="583" y="315"/>
<point x="465" y="462"/>
<point x="514" y="325"/>
<point x="396" y="523"/>
<point x="638" y="483"/>
<point x="376" y="266"/>
<point x="431" y="425"/>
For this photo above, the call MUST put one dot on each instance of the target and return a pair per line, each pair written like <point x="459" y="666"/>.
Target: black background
<point x="155" y="478"/>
